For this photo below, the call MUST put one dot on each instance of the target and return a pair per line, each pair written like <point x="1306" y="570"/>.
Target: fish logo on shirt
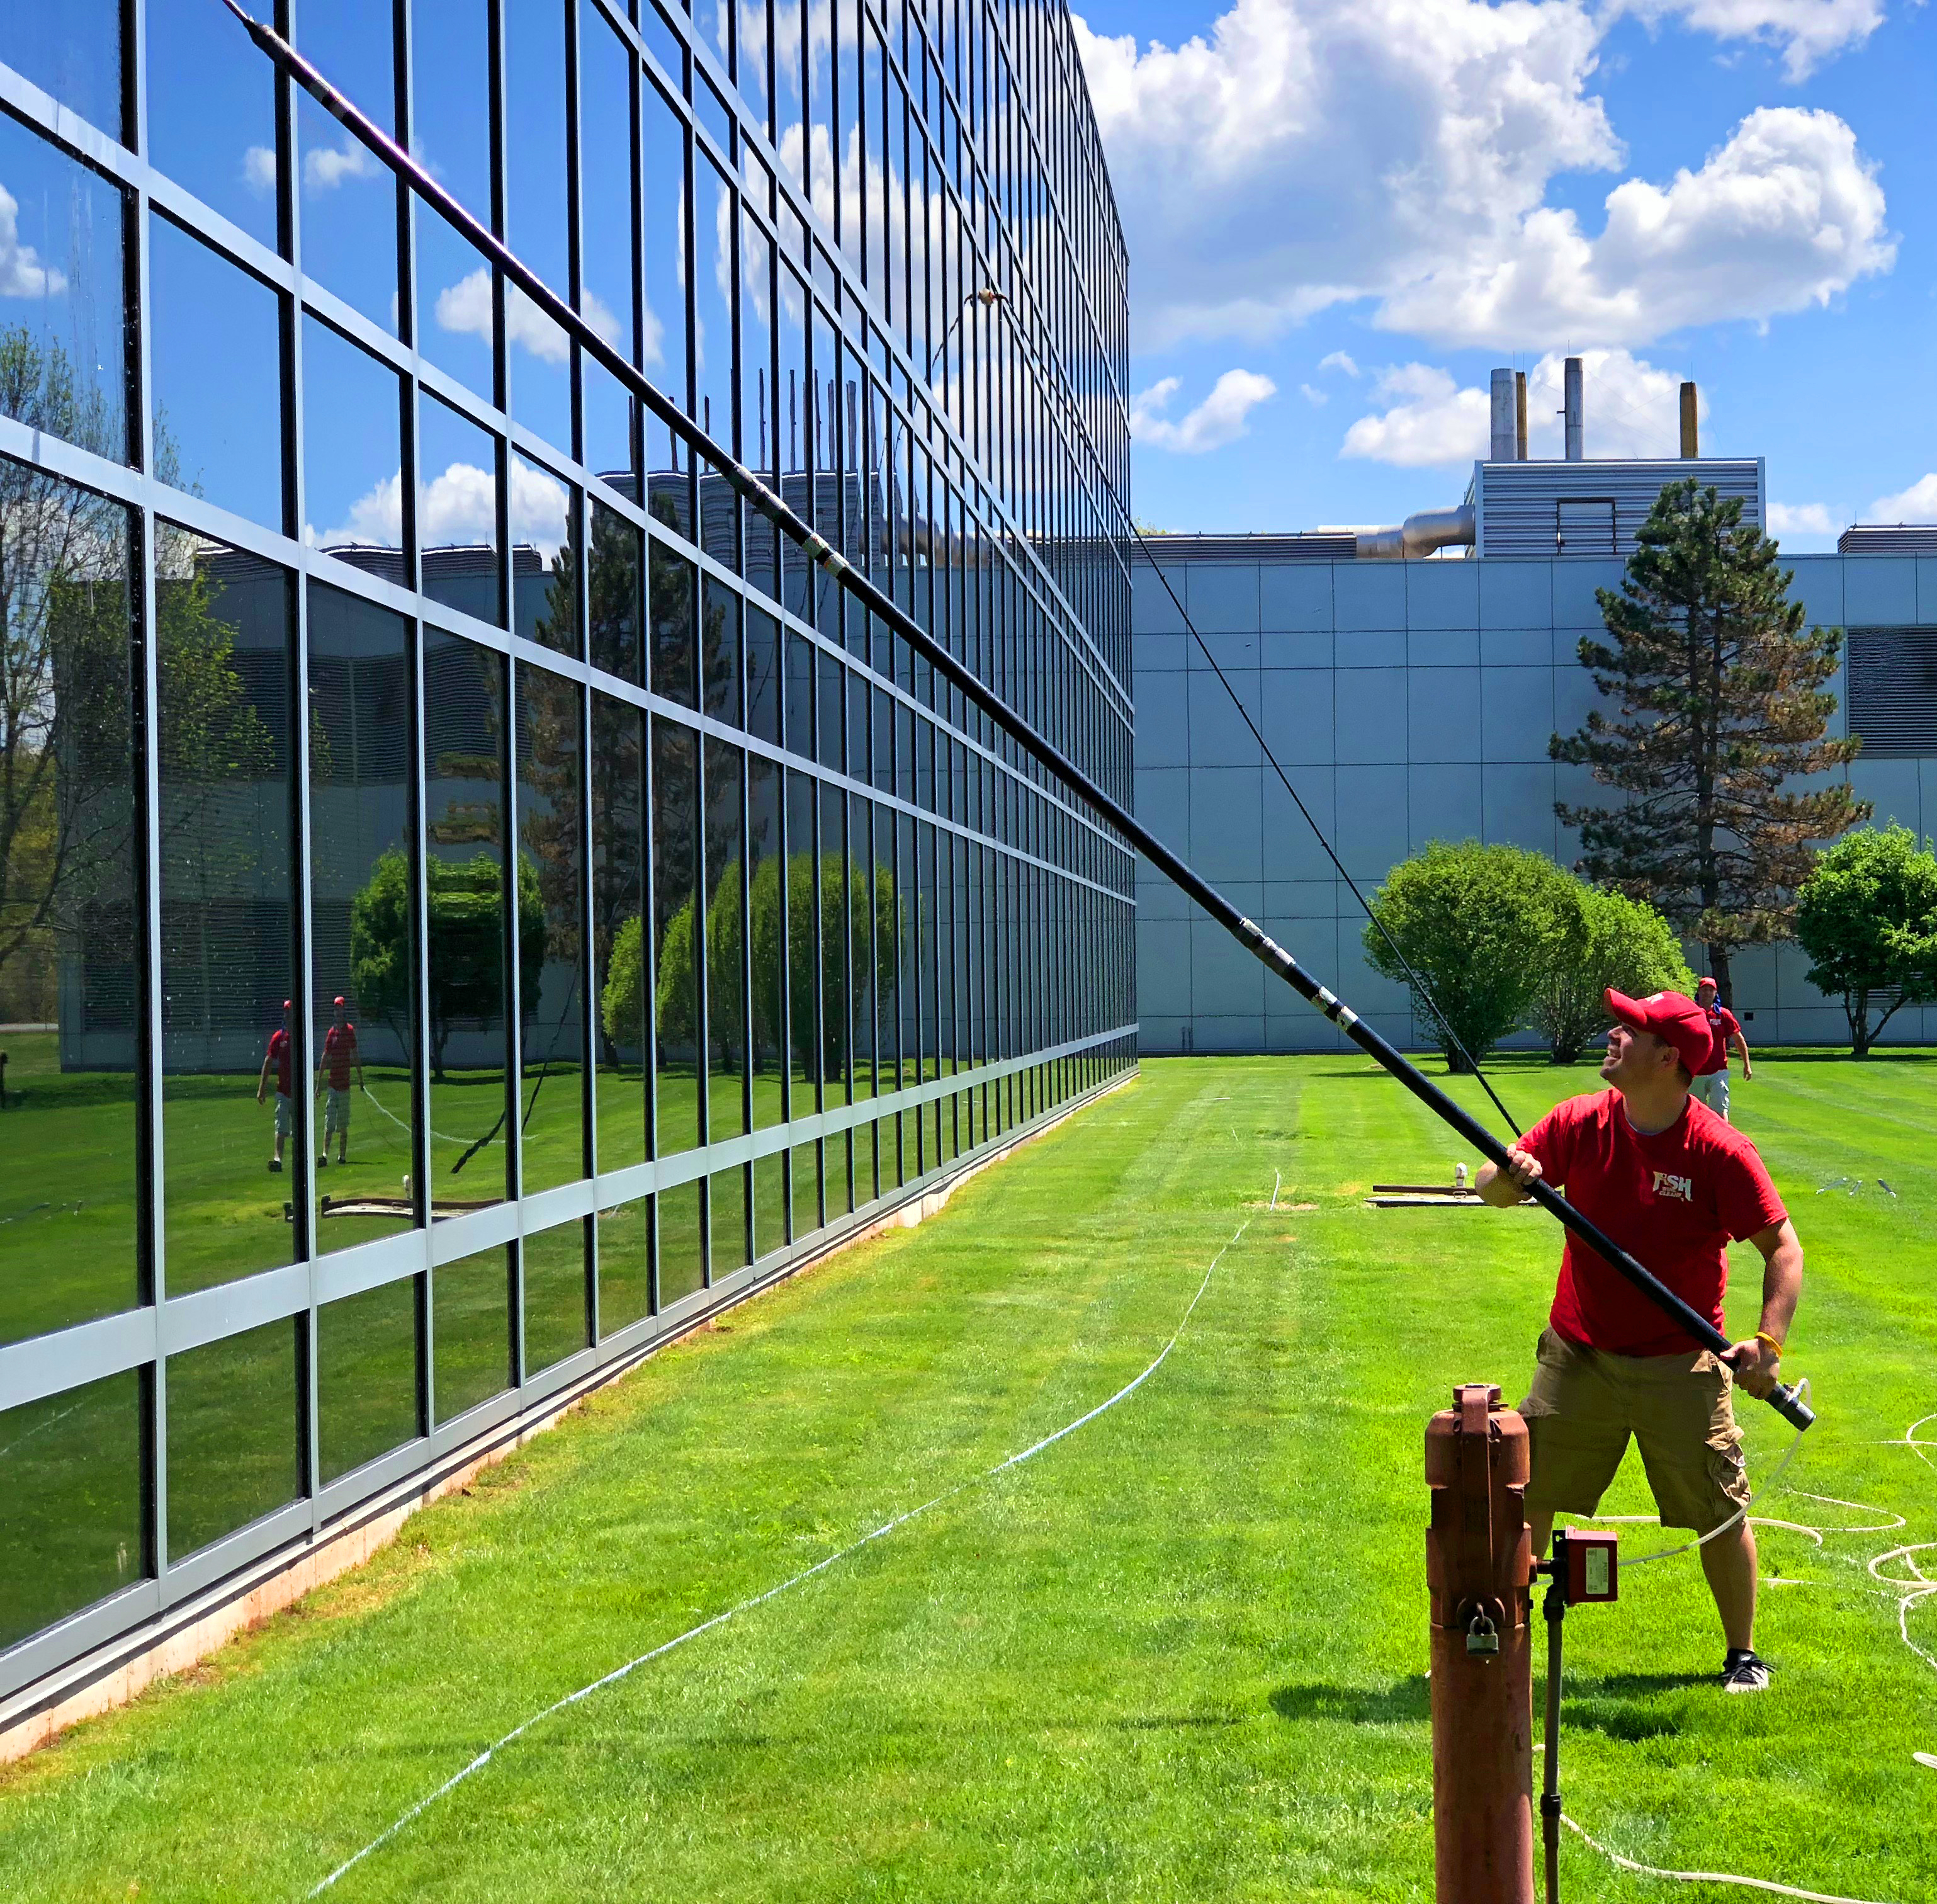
<point x="1682" y="1187"/>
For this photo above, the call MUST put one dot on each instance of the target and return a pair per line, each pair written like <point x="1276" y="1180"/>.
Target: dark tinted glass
<point x="464" y="823"/>
<point x="212" y="112"/>
<point x="619" y="950"/>
<point x="728" y="1230"/>
<point x="625" y="1266"/>
<point x="556" y="1324"/>
<point x="725" y="942"/>
<point x="682" y="1249"/>
<point x="63" y="358"/>
<point x="719" y="649"/>
<point x="352" y="484"/>
<point x="232" y="1447"/>
<point x="617" y="583"/>
<point x="766" y="942"/>
<point x="366" y="1376"/>
<point x="71" y="51"/>
<point x="362" y="916"/>
<point x="470" y="1332"/>
<point x="674" y="670"/>
<point x="69" y="929"/>
<point x="217" y="371"/>
<point x="805" y="902"/>
<point x="349" y="199"/>
<point x="551" y="934"/>
<point x="232" y="1088"/>
<point x="544" y="580"/>
<point x="763" y="675"/>
<point x="804" y="1169"/>
<point x="847" y="1021"/>
<point x="770" y="1183"/>
<point x="676" y="987"/>
<point x="70" y="1503"/>
<point x="457" y="511"/>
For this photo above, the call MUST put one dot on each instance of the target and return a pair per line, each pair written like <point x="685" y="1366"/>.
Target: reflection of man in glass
<point x="339" y="1054"/>
<point x="278" y="1054"/>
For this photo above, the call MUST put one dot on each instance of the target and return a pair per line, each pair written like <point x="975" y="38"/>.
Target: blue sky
<point x="1363" y="205"/>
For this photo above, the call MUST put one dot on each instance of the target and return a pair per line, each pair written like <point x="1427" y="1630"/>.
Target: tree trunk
<point x="1725" y="982"/>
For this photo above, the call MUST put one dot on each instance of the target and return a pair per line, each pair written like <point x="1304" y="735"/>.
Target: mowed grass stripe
<point x="1178" y="1656"/>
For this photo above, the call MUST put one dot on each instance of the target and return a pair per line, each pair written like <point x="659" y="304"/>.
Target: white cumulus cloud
<point x="1221" y="418"/>
<point x="458" y="508"/>
<point x="1307" y="153"/>
<point x="1799" y="519"/>
<point x="22" y="273"/>
<point x="1313" y="395"/>
<point x="1629" y="408"/>
<point x="327" y="167"/>
<point x="1338" y="360"/>
<point x="258" y="169"/>
<point x="1806" y="32"/>
<point x="466" y="307"/>
<point x="1917" y="504"/>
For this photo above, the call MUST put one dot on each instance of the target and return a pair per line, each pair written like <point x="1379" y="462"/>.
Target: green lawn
<point x="1176" y="1656"/>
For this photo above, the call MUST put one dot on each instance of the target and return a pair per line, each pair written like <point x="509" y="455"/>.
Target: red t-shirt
<point x="1674" y="1201"/>
<point x="339" y="1053"/>
<point x="279" y="1050"/>
<point x="1725" y="1025"/>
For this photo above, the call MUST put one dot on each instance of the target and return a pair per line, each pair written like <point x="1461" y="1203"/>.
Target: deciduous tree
<point x="1867" y="917"/>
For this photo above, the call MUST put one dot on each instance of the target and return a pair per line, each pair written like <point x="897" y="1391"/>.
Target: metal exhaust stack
<point x="1505" y="435"/>
<point x="1570" y="401"/>
<point x="1519" y="416"/>
<point x="1691" y="436"/>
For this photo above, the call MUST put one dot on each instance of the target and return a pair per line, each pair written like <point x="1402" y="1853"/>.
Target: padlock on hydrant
<point x="1479" y="1572"/>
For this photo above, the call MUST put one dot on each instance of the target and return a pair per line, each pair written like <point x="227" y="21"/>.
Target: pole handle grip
<point x="1790" y="1405"/>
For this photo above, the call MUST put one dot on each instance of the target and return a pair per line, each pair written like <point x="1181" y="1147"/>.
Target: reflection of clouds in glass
<point x="328" y="167"/>
<point x="258" y="169"/>
<point x="459" y="507"/>
<point x="466" y="307"/>
<point x="22" y="273"/>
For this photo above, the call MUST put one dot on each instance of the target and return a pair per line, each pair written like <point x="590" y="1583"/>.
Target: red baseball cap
<point x="1673" y="1017"/>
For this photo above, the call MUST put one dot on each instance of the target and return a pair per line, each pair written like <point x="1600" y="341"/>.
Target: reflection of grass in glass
<point x="555" y="1314"/>
<point x="682" y="1267"/>
<point x="225" y="1209"/>
<point x="70" y="1502"/>
<point x="727" y="1237"/>
<point x="806" y="1167"/>
<point x="67" y="1196"/>
<point x="379" y="1153"/>
<point x="467" y="1108"/>
<point x="366" y="1382"/>
<point x="470" y="1332"/>
<point x="769" y="1204"/>
<point x="619" y="1105"/>
<point x="625" y="1284"/>
<point x="232" y="1435"/>
<point x="552" y="1112"/>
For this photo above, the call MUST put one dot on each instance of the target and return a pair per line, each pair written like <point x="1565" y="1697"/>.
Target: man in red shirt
<point x="340" y="1056"/>
<point x="1711" y="1086"/>
<point x="1673" y="1184"/>
<point x="280" y="1055"/>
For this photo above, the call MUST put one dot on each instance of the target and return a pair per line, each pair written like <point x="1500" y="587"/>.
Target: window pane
<point x="616" y="583"/>
<point x="625" y="1266"/>
<point x="763" y="675"/>
<point x="618" y="942"/>
<point x="465" y="840"/>
<point x="805" y="1165"/>
<point x="470" y="1332"/>
<point x="231" y="1103"/>
<point x="70" y="1503"/>
<point x="728" y="1230"/>
<point x="212" y="112"/>
<point x="551" y="885"/>
<point x="542" y="571"/>
<point x="770" y="1180"/>
<point x="720" y="650"/>
<point x="63" y="361"/>
<point x="803" y="924"/>
<point x="605" y="70"/>
<point x="218" y="407"/>
<point x="349" y="198"/>
<point x="366" y="1376"/>
<point x="664" y="140"/>
<point x="675" y="848"/>
<point x="352" y="484"/>
<point x="725" y="952"/>
<point x="450" y="81"/>
<point x="674" y="671"/>
<point x="232" y="1435"/>
<point x="846" y="1036"/>
<point x="765" y="946"/>
<point x="69" y="929"/>
<point x="362" y="915"/>
<point x="537" y="221"/>
<point x="682" y="1258"/>
<point x="557" y="1324"/>
<point x="457" y="512"/>
<point x="73" y="52"/>
<point x="457" y="325"/>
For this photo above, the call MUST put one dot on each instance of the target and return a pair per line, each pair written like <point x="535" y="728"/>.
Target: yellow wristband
<point x="1763" y="1335"/>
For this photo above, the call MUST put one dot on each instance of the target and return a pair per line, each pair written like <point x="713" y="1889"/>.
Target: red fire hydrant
<point x="1479" y="1571"/>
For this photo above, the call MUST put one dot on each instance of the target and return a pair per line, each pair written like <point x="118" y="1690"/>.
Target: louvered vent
<point x="1893" y="691"/>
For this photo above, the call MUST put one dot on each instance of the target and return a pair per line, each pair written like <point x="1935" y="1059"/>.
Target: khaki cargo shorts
<point x="1584" y="1404"/>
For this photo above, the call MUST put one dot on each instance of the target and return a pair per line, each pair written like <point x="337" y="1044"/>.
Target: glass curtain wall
<point x="467" y="888"/>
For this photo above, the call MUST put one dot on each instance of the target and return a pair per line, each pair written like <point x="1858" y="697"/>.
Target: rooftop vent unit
<point x="1888" y="538"/>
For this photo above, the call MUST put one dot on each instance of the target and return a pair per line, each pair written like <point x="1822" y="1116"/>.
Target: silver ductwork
<point x="1421" y="535"/>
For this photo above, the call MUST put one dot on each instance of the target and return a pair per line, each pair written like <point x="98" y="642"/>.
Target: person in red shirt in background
<point x="279" y="1054"/>
<point x="339" y="1056"/>
<point x="1673" y="1184"/>
<point x="1711" y="1086"/>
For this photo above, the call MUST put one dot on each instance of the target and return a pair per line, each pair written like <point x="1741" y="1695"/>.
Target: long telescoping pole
<point x="1784" y="1399"/>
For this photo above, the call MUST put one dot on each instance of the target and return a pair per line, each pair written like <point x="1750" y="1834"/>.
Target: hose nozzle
<point x="1788" y="1402"/>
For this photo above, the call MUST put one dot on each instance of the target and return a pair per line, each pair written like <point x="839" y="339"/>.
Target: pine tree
<point x="1722" y="706"/>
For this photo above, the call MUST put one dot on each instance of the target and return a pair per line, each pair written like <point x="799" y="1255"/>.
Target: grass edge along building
<point x="1408" y="680"/>
<point x="683" y="926"/>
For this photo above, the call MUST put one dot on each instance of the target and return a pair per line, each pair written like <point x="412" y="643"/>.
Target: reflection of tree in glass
<point x="621" y="1003"/>
<point x="465" y="901"/>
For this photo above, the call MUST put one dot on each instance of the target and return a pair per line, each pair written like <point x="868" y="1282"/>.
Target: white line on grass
<point x="483" y="1758"/>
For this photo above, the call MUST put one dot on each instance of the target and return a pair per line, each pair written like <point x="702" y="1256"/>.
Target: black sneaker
<point x="275" y="1164"/>
<point x="323" y="1163"/>
<point x="1743" y="1671"/>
